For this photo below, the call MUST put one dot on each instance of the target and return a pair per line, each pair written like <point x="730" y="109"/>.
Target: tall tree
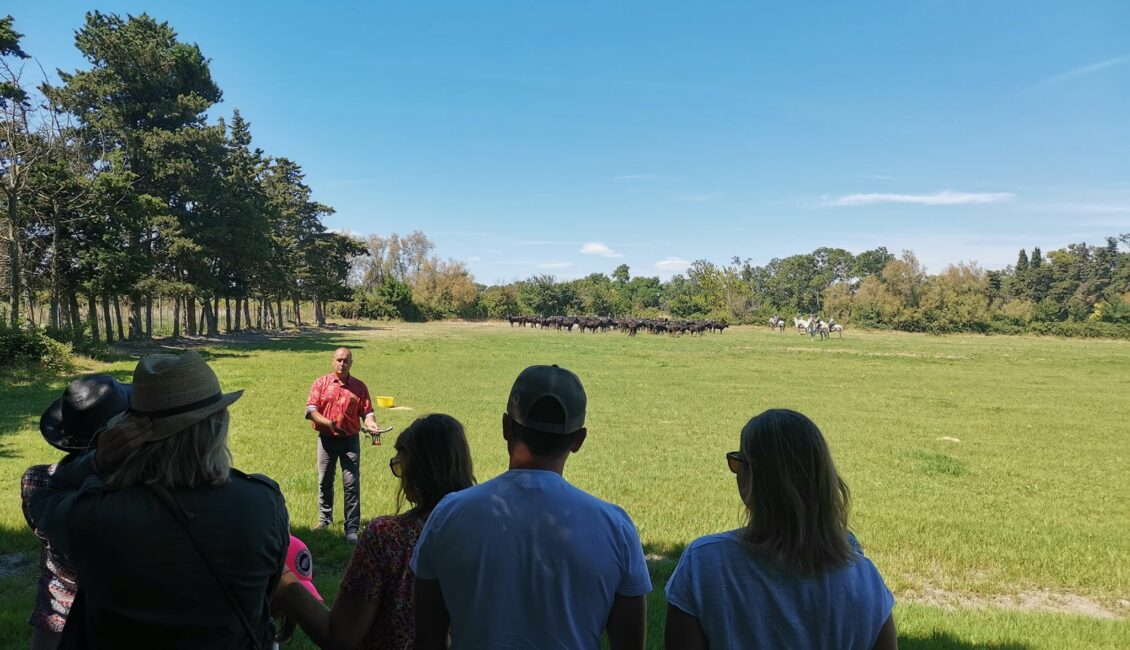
<point x="20" y="149"/>
<point x="142" y="104"/>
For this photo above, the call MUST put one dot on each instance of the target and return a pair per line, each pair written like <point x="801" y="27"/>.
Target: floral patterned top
<point x="379" y="573"/>
<point x="58" y="580"/>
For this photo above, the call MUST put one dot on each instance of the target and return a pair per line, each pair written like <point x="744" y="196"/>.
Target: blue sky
<point x="570" y="137"/>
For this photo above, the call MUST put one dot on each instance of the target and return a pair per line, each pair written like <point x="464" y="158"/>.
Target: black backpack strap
<point x="184" y="518"/>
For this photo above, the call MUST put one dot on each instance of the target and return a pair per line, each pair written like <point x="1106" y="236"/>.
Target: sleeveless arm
<point x="627" y="623"/>
<point x="888" y="637"/>
<point x="683" y="631"/>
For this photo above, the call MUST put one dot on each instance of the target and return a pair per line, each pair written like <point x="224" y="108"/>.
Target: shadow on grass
<point x="239" y="345"/>
<point x="24" y="401"/>
<point x="943" y="641"/>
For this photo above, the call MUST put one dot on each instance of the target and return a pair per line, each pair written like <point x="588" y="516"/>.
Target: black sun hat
<point x="86" y="404"/>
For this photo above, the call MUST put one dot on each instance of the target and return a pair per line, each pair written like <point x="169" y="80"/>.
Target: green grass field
<point x="989" y="474"/>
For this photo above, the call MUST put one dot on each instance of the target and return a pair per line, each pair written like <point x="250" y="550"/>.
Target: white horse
<point x="816" y="328"/>
<point x="801" y="324"/>
<point x="776" y="323"/>
<point x="839" y="329"/>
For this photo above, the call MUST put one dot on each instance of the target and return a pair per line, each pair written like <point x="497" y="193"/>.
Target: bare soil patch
<point x="1033" y="600"/>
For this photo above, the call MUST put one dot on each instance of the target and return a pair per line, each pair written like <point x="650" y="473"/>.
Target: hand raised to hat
<point x="118" y="442"/>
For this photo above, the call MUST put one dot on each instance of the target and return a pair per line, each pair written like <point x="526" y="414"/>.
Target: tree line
<point x="119" y="191"/>
<point x="1080" y="289"/>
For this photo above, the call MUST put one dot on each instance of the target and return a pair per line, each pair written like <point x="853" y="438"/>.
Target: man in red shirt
<point x="338" y="402"/>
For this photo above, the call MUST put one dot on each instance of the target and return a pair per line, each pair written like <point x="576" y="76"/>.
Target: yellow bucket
<point x="385" y="402"/>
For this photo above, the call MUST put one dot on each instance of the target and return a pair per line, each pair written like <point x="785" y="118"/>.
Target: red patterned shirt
<point x="379" y="574"/>
<point x="343" y="403"/>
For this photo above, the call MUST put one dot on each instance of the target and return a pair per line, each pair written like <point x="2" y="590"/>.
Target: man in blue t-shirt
<point x="526" y="560"/>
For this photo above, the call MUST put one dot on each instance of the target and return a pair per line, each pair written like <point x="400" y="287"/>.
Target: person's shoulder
<point x="607" y="507"/>
<point x="717" y="548"/>
<point x="255" y="479"/>
<point x="385" y="523"/>
<point x="716" y="543"/>
<point x="38" y="473"/>
<point x="357" y="385"/>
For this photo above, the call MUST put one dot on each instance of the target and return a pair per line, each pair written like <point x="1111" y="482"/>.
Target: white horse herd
<point x="814" y="327"/>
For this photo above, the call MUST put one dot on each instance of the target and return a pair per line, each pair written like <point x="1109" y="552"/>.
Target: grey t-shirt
<point x="527" y="561"/>
<point x="746" y="601"/>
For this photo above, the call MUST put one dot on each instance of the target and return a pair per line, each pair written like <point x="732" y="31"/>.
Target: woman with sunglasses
<point x="793" y="577"/>
<point x="375" y="607"/>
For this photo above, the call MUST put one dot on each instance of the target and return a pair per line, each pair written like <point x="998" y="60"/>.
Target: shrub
<point x="1090" y="329"/>
<point x="31" y="350"/>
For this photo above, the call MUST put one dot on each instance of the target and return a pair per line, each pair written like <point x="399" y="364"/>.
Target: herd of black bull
<point x="628" y="325"/>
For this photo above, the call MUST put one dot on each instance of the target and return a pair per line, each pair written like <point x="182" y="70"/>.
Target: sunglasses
<point x="735" y="461"/>
<point x="394" y="466"/>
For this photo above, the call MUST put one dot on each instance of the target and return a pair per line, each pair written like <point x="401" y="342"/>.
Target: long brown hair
<point x="197" y="456"/>
<point x="797" y="503"/>
<point x="435" y="459"/>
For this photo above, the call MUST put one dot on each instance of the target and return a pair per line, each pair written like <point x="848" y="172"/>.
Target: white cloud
<point x="554" y="265"/>
<point x="672" y="264"/>
<point x="946" y="197"/>
<point x="1084" y="70"/>
<point x="597" y="248"/>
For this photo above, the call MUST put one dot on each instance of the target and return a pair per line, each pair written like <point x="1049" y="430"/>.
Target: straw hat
<point x="72" y="420"/>
<point x="174" y="392"/>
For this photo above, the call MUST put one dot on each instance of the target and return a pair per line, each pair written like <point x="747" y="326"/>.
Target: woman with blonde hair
<point x="375" y="607"/>
<point x="174" y="547"/>
<point x="794" y="576"/>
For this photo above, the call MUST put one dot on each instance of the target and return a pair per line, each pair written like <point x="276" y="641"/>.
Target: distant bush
<point x="31" y="350"/>
<point x="1087" y="329"/>
<point x="85" y="346"/>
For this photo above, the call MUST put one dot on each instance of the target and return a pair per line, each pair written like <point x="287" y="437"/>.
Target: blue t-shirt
<point x="526" y="560"/>
<point x="746" y="601"/>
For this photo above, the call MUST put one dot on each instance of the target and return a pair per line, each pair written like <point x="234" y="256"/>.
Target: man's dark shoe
<point x="352" y="538"/>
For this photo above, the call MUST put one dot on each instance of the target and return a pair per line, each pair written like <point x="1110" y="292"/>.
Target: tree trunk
<point x="92" y="315"/>
<point x="205" y="324"/>
<point x="176" y="316"/>
<point x="107" y="321"/>
<point x="13" y="259"/>
<point x="319" y="312"/>
<point x="190" y="314"/>
<point x="118" y="313"/>
<point x="238" y="314"/>
<point x="297" y="312"/>
<point x="149" y="316"/>
<point x="55" y="270"/>
<point x="215" y="316"/>
<point x="227" y="313"/>
<point x="208" y="315"/>
<point x="247" y="311"/>
<point x="135" y="330"/>
<point x="76" y="319"/>
<point x="30" y="306"/>
<point x="280" y="323"/>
